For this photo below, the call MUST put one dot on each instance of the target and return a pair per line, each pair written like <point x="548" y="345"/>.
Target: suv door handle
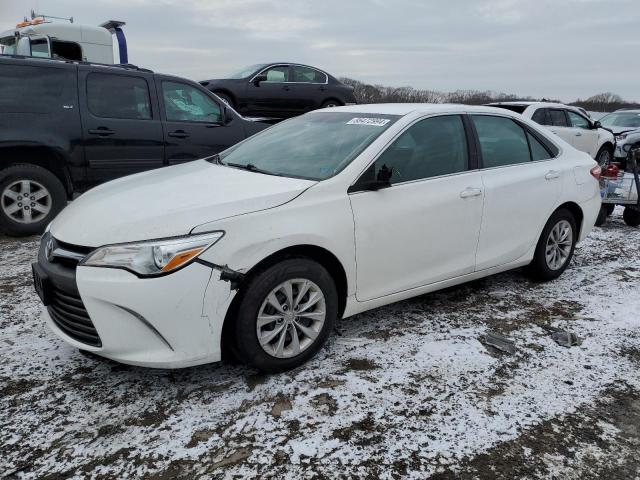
<point x="551" y="174"/>
<point x="102" y="131"/>
<point x="286" y="87"/>
<point x="179" y="134"/>
<point x="323" y="88"/>
<point x="470" y="192"/>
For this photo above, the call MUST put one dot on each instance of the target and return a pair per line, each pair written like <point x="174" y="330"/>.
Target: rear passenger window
<point x="558" y="118"/>
<point x="538" y="151"/>
<point x="118" y="96"/>
<point x="432" y="147"/>
<point x="541" y="117"/>
<point x="502" y="141"/>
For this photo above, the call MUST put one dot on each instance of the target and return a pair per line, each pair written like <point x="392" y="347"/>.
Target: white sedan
<point x="569" y="123"/>
<point x="258" y="251"/>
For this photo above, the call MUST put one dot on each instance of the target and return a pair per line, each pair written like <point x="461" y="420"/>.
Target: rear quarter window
<point x="31" y="89"/>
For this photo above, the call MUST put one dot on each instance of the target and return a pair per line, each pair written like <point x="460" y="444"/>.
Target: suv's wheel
<point x="555" y="246"/>
<point x="285" y="315"/>
<point x="30" y="197"/>
<point x="631" y="217"/>
<point x="604" y="156"/>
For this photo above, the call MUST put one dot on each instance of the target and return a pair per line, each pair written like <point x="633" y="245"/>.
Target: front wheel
<point x="604" y="156"/>
<point x="331" y="103"/>
<point x="30" y="197"/>
<point x="631" y="217"/>
<point x="555" y="247"/>
<point x="285" y="315"/>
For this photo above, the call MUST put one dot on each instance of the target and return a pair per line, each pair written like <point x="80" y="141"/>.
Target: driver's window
<point x="430" y="148"/>
<point x="184" y="103"/>
<point x="277" y="74"/>
<point x="578" y="121"/>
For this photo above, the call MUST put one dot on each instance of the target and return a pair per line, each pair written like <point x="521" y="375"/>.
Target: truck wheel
<point x="30" y="197"/>
<point x="602" y="216"/>
<point x="631" y="217"/>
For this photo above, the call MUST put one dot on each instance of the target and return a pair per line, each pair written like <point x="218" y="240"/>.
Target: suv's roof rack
<point x="126" y="66"/>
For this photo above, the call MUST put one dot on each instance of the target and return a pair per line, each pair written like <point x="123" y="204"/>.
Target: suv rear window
<point x="118" y="96"/>
<point x="29" y="89"/>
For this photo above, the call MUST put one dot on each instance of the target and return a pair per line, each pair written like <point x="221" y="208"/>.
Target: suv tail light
<point x="596" y="171"/>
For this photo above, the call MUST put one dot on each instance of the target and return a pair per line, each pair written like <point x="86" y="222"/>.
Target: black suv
<point x="67" y="126"/>
<point x="280" y="90"/>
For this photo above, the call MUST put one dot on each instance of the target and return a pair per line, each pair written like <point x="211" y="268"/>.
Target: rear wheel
<point x="30" y="197"/>
<point x="285" y="315"/>
<point x="631" y="217"/>
<point x="226" y="99"/>
<point x="331" y="103"/>
<point x="555" y="246"/>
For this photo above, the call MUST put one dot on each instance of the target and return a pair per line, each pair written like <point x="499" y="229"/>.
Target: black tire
<point x="605" y="155"/>
<point x="610" y="207"/>
<point x="56" y="200"/>
<point x="539" y="268"/>
<point x="226" y="99"/>
<point x="631" y="217"/>
<point x="331" y="103"/>
<point x="247" y="346"/>
<point x="601" y="219"/>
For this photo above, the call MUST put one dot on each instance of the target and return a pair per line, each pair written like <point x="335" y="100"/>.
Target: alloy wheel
<point x="291" y="318"/>
<point x="559" y="244"/>
<point x="26" y="201"/>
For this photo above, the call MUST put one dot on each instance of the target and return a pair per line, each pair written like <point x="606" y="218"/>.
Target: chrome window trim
<point x="289" y="65"/>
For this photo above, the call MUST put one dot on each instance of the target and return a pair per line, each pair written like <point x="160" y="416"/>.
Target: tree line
<point x="367" y="93"/>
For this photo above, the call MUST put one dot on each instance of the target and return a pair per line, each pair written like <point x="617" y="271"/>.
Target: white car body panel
<point x="392" y="244"/>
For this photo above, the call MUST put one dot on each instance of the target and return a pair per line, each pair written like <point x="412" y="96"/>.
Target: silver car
<point x="625" y="125"/>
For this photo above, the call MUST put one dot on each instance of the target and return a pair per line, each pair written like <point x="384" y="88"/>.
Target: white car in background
<point x="569" y="123"/>
<point x="259" y="250"/>
<point x="626" y="126"/>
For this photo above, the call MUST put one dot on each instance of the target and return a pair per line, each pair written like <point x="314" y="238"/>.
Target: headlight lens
<point x="152" y="258"/>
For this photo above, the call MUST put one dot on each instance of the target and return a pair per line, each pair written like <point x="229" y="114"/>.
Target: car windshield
<point x="622" y="119"/>
<point x="246" y="71"/>
<point x="314" y="146"/>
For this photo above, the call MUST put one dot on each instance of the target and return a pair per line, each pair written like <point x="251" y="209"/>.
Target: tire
<point x="331" y="103"/>
<point x="45" y="191"/>
<point x="602" y="216"/>
<point x="226" y="99"/>
<point x="540" y="267"/>
<point x="631" y="217"/>
<point x="278" y="354"/>
<point x="604" y="156"/>
<point x="610" y="207"/>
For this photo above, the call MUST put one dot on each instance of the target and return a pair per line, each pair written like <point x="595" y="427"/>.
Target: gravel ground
<point x="404" y="391"/>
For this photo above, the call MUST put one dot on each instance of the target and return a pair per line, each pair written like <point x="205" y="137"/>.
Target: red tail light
<point x="596" y="171"/>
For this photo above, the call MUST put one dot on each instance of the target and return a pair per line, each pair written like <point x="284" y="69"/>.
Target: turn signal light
<point x="596" y="171"/>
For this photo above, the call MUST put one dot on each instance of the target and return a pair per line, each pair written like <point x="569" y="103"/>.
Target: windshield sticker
<point x="376" y="122"/>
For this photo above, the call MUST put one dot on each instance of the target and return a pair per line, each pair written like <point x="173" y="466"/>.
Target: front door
<point x="121" y="127"/>
<point x="423" y="228"/>
<point x="272" y="97"/>
<point x="586" y="138"/>
<point x="193" y="123"/>
<point x="522" y="184"/>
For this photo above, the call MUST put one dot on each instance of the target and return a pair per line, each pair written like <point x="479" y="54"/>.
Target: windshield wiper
<point x="251" y="168"/>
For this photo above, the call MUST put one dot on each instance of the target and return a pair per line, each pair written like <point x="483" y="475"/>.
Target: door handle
<point x="579" y="134"/>
<point x="323" y="88"/>
<point x="102" y="131"/>
<point x="286" y="87"/>
<point x="470" y="192"/>
<point x="551" y="174"/>
<point x="179" y="134"/>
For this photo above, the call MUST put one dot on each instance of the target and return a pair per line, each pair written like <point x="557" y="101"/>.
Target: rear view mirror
<point x="259" y="78"/>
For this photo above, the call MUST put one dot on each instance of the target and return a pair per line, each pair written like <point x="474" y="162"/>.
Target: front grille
<point x="68" y="313"/>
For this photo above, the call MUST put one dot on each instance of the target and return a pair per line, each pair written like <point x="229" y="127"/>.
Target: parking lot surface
<point x="407" y="390"/>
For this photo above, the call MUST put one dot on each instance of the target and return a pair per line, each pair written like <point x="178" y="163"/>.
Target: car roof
<point x="406" y="108"/>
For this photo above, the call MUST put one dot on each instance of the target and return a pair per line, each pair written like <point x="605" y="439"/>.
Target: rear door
<point x="121" y="126"/>
<point x="273" y="97"/>
<point x="522" y="182"/>
<point x="559" y="124"/>
<point x="193" y="122"/>
<point x="310" y="88"/>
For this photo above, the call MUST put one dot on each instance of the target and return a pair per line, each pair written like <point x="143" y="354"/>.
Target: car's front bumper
<point x="169" y="322"/>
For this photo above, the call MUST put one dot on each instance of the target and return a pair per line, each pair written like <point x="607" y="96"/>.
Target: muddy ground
<point x="404" y="391"/>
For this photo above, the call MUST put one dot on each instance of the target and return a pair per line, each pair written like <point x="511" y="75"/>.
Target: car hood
<point x="618" y="130"/>
<point x="169" y="202"/>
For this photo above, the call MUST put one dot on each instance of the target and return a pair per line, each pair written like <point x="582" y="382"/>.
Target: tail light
<point x="595" y="172"/>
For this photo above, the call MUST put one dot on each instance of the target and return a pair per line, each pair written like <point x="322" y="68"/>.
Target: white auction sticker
<point x="376" y="122"/>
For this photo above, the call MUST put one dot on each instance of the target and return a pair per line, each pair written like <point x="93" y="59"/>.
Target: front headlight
<point x="153" y="257"/>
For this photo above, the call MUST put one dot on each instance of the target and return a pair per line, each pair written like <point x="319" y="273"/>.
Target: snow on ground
<point x="406" y="390"/>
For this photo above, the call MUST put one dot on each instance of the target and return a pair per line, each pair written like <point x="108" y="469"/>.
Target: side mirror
<point x="597" y="124"/>
<point x="227" y="116"/>
<point x="259" y="78"/>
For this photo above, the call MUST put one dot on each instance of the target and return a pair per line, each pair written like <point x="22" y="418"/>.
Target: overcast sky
<point x="554" y="48"/>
